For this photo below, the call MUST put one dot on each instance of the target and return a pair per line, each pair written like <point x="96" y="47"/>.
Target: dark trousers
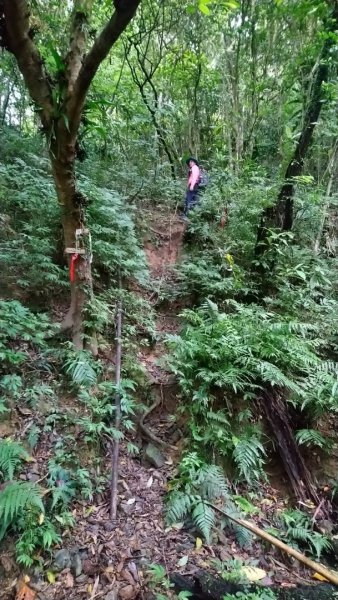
<point x="190" y="200"/>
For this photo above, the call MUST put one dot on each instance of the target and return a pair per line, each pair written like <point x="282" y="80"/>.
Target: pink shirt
<point x="193" y="177"/>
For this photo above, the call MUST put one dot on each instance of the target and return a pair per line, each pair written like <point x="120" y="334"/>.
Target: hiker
<point x="193" y="184"/>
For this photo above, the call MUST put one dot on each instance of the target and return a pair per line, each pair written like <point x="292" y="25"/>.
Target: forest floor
<point x="114" y="556"/>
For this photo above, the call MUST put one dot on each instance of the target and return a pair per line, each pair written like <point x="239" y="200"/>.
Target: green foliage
<point x="16" y="498"/>
<point x="299" y="532"/>
<point x="79" y="366"/>
<point x="20" y="331"/>
<point x="157" y="574"/>
<point x="62" y="485"/>
<point x="33" y="436"/>
<point x="264" y="594"/>
<point x="198" y="484"/>
<point x="248" y="457"/>
<point x="35" y="536"/>
<point x="311" y="437"/>
<point x="232" y="570"/>
<point x="11" y="456"/>
<point x="31" y="232"/>
<point x="232" y="355"/>
<point x="100" y="408"/>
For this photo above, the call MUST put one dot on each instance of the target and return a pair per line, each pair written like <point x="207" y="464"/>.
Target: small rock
<point x="76" y="564"/>
<point x="62" y="560"/>
<point x="334" y="543"/>
<point x="154" y="456"/>
<point x="176" y="436"/>
<point x="112" y="595"/>
<point x="127" y="592"/>
<point x="7" y="428"/>
<point x="325" y="526"/>
<point x="126" y="508"/>
<point x="222" y="538"/>
<point x="35" y="468"/>
<point x="33" y="477"/>
<point x="224" y="555"/>
<point x="144" y="561"/>
<point x="7" y="563"/>
<point x="47" y="594"/>
<point x="266" y="581"/>
<point x="81" y="578"/>
<point x="109" y="526"/>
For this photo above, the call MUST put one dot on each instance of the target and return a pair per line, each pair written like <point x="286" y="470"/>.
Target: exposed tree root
<point x="149" y="434"/>
<point x="275" y="408"/>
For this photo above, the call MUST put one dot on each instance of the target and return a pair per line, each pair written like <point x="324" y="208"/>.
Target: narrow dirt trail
<point x="163" y="248"/>
<point x="115" y="555"/>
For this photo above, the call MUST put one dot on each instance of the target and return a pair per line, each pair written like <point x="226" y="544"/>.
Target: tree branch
<point x="78" y="40"/>
<point x="30" y="62"/>
<point x="124" y="12"/>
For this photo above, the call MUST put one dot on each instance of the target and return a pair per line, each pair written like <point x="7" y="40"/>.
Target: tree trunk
<point x="331" y="171"/>
<point x="276" y="411"/>
<point x="72" y="204"/>
<point x="280" y="216"/>
<point x="204" y="586"/>
<point x="5" y="104"/>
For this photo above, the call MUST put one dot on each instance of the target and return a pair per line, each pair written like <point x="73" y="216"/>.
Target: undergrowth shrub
<point x="224" y="359"/>
<point x="193" y="492"/>
<point x="296" y="528"/>
<point x="26" y="352"/>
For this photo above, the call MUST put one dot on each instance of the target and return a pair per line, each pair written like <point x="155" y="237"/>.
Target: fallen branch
<point x="317" y="567"/>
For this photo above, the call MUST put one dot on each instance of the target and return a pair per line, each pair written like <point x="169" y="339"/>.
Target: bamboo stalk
<point x="116" y="442"/>
<point x="317" y="567"/>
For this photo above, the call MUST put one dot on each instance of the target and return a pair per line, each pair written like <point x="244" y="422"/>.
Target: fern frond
<point x="204" y="518"/>
<point x="80" y="370"/>
<point x="179" y="505"/>
<point x="11" y="455"/>
<point x="212" y="483"/>
<point x="320" y="543"/>
<point x="298" y="533"/>
<point x="248" y="455"/>
<point x="15" y="498"/>
<point x="310" y="437"/>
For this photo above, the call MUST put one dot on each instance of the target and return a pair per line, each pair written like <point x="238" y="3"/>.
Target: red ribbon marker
<point x="72" y="267"/>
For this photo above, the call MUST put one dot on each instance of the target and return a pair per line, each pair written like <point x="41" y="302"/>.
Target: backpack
<point x="204" y="178"/>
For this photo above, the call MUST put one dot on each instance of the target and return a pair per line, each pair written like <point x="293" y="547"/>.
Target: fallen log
<point x="204" y="586"/>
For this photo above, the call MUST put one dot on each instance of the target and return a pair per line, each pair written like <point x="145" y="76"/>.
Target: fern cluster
<point x="223" y="360"/>
<point x="199" y="485"/>
<point x="297" y="530"/>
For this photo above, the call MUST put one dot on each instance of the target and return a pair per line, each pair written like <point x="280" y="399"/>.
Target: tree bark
<point x="276" y="411"/>
<point x="72" y="204"/>
<point x="331" y="171"/>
